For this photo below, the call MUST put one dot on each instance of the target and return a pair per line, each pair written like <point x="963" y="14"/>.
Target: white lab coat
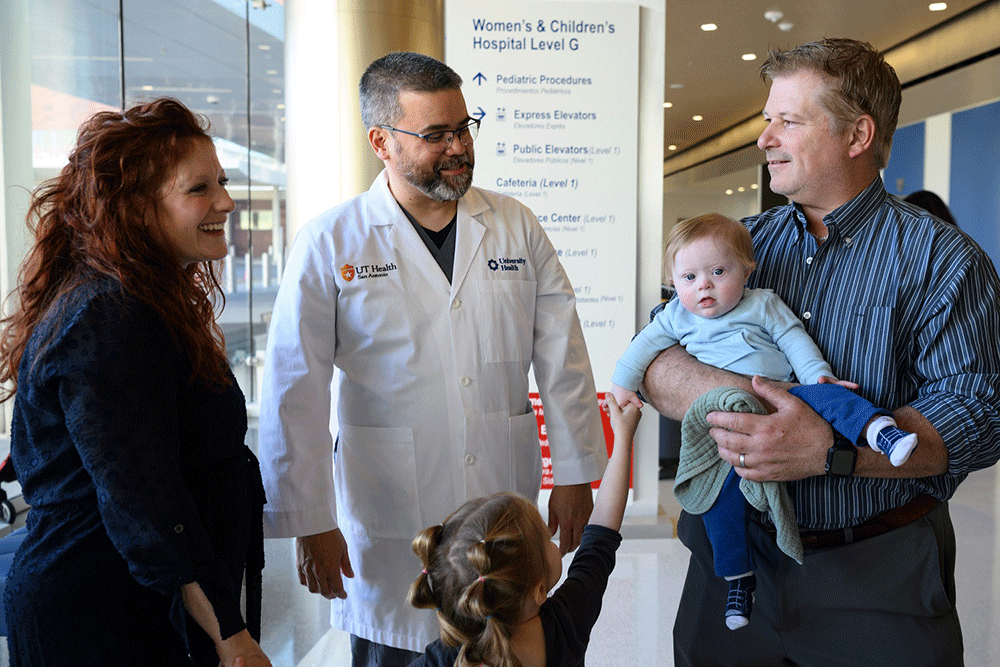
<point x="432" y="397"/>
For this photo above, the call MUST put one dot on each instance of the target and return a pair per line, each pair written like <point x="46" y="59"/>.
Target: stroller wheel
<point x="7" y="511"/>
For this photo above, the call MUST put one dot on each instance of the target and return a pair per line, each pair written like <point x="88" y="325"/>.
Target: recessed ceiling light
<point x="773" y="15"/>
<point x="753" y="186"/>
<point x="785" y="26"/>
<point x="272" y="72"/>
<point x="281" y="106"/>
<point x="264" y="47"/>
<point x="749" y="56"/>
<point x="729" y="192"/>
<point x="937" y="6"/>
<point x="667" y="105"/>
<point x="147" y="87"/>
<point x="696" y="118"/>
<point x="741" y="189"/>
<point x="672" y="147"/>
<point x="676" y="86"/>
<point x="709" y="27"/>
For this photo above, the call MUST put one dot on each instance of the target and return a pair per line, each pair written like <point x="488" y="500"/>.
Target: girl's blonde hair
<point x="730" y="231"/>
<point x="479" y="567"/>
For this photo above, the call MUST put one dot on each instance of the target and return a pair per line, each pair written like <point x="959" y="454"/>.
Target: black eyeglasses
<point x="442" y="140"/>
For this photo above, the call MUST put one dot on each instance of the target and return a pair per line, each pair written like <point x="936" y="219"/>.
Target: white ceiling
<point x="204" y="63"/>
<point x="726" y="90"/>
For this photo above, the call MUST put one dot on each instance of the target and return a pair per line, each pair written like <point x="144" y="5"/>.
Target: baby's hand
<point x="625" y="396"/>
<point x="623" y="419"/>
<point x="843" y="383"/>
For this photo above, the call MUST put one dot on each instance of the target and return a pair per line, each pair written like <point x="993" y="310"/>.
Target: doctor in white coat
<point x="433" y="299"/>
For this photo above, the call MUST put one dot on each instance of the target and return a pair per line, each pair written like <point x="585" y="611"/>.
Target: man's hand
<point x="320" y="560"/>
<point x="569" y="509"/>
<point x="787" y="445"/>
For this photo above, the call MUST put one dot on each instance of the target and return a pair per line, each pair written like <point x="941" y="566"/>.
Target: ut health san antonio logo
<point x="364" y="271"/>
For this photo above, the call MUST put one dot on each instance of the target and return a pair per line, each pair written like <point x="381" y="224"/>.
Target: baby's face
<point x="708" y="277"/>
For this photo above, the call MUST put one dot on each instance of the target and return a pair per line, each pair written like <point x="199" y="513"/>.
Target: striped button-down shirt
<point x="906" y="306"/>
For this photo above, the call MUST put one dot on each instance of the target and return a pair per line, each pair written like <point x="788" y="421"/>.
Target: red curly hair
<point x="97" y="219"/>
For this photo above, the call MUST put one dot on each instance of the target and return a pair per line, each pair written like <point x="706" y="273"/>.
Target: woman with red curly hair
<point x="128" y="426"/>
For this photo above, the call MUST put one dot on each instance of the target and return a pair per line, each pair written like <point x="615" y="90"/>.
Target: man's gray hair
<point x="389" y="75"/>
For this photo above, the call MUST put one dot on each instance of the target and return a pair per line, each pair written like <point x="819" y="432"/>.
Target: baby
<point x="708" y="259"/>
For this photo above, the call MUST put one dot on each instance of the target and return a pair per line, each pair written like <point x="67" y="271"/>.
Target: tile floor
<point x="639" y="607"/>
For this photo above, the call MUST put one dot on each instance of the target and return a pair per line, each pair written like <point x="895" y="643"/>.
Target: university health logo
<point x="506" y="263"/>
<point x="347" y="272"/>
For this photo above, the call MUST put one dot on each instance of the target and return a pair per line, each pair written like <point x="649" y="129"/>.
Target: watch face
<point x="840" y="462"/>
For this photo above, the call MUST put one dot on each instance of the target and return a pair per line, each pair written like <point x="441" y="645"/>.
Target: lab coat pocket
<point x="376" y="468"/>
<point x="507" y="319"/>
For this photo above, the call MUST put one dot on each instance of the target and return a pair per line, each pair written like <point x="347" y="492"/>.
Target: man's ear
<point x="378" y="138"/>
<point x="862" y="136"/>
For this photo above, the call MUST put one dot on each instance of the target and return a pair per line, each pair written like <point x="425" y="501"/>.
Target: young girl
<point x="489" y="567"/>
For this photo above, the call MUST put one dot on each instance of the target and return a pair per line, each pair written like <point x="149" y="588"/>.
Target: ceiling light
<point x="676" y="86"/>
<point x="741" y="189"/>
<point x="774" y="15"/>
<point x="785" y="26"/>
<point x="264" y="47"/>
<point x="749" y="56"/>
<point x="281" y="106"/>
<point x="147" y="87"/>
<point x="696" y="118"/>
<point x="709" y="27"/>
<point x="753" y="186"/>
<point x="667" y="105"/>
<point x="212" y="99"/>
<point x="729" y="192"/>
<point x="937" y="6"/>
<point x="272" y="72"/>
<point x="672" y="147"/>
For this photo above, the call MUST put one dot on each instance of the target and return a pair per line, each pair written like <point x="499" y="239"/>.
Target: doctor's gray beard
<point x="432" y="184"/>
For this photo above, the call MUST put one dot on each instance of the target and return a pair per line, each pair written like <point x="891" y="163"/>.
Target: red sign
<point x="609" y="437"/>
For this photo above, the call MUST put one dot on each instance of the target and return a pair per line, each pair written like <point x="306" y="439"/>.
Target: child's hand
<point x="843" y="383"/>
<point x="623" y="419"/>
<point x="625" y="396"/>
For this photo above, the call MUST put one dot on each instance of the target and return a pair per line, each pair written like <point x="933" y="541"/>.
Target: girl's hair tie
<point x="481" y="579"/>
<point x="424" y="571"/>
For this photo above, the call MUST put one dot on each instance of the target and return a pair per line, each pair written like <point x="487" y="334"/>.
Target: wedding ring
<point x="743" y="460"/>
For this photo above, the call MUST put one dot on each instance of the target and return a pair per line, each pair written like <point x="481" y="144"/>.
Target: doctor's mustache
<point x="454" y="163"/>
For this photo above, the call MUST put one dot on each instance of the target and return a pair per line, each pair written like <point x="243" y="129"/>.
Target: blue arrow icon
<point x="479" y="113"/>
<point x="479" y="78"/>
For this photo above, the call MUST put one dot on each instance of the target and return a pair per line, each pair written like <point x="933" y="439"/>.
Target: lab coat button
<point x="806" y="315"/>
<point x="847" y="240"/>
<point x="457" y="303"/>
<point x="809" y="260"/>
<point x="465" y="381"/>
<point x="179" y="528"/>
<point x="469" y="459"/>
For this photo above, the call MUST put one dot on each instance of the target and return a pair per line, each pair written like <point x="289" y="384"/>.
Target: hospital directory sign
<point x="556" y="87"/>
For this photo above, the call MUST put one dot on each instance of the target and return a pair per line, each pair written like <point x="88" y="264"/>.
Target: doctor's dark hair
<point x="860" y="82"/>
<point x="391" y="74"/>
<point x="99" y="219"/>
<point x="732" y="233"/>
<point x="479" y="567"/>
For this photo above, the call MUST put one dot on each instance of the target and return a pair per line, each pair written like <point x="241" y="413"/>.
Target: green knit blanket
<point x="701" y="473"/>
